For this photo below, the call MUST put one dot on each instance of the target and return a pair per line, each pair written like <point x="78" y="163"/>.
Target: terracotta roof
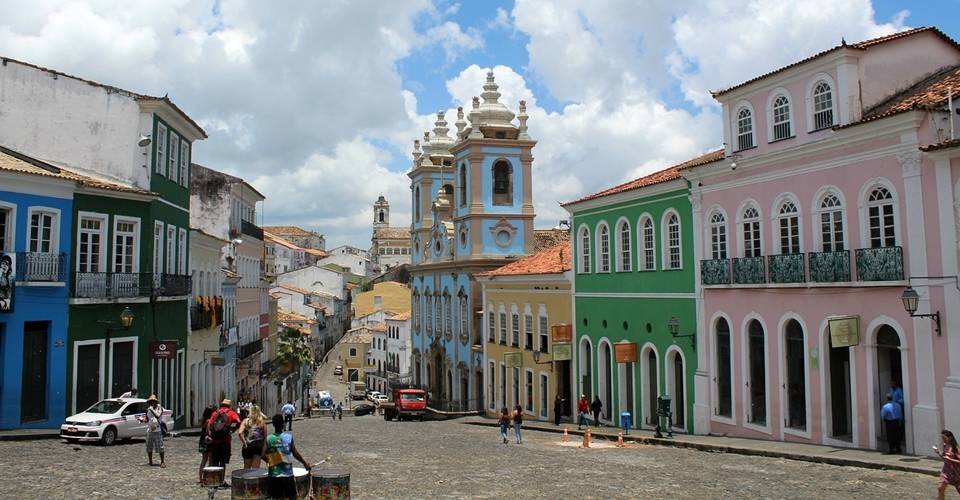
<point x="929" y="93"/>
<point x="376" y="327"/>
<point x="13" y="161"/>
<point x="405" y="315"/>
<point x="392" y="232"/>
<point x="546" y="238"/>
<point x="287" y="230"/>
<point x="315" y="251"/>
<point x="553" y="260"/>
<point x="291" y="316"/>
<point x="661" y="176"/>
<point x="947" y="144"/>
<point x="276" y="239"/>
<point x="857" y="46"/>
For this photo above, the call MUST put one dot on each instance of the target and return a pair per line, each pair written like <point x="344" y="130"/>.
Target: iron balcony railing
<point x="749" y="270"/>
<point x="112" y="285"/>
<point x="40" y="266"/>
<point x="829" y="267"/>
<point x="172" y="285"/>
<point x="880" y="264"/>
<point x="715" y="272"/>
<point x="787" y="268"/>
<point x="249" y="349"/>
<point x="251" y="229"/>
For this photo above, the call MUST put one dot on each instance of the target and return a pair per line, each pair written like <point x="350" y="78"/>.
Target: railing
<point x="39" y="266"/>
<point x="880" y="264"/>
<point x="173" y="285"/>
<point x="748" y="270"/>
<point x="251" y="229"/>
<point x="829" y="267"/>
<point x="249" y="349"/>
<point x="787" y="268"/>
<point x="112" y="285"/>
<point x="715" y="272"/>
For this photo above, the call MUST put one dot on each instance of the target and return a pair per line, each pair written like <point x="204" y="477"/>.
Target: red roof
<point x="665" y="175"/>
<point x="927" y="94"/>
<point x="947" y="144"/>
<point x="553" y="260"/>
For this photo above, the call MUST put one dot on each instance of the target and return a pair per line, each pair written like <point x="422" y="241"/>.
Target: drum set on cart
<point x="322" y="482"/>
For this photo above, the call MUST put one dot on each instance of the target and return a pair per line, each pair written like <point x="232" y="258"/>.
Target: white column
<point x="701" y="379"/>
<point x="947" y="208"/>
<point x="926" y="414"/>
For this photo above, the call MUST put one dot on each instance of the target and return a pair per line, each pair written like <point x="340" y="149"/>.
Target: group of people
<point x="506" y="419"/>
<point x="584" y="407"/>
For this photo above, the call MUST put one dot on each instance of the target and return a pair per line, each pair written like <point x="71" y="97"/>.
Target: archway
<point x="676" y="388"/>
<point x="651" y="385"/>
<point x="795" y="369"/>
<point x="889" y="371"/>
<point x="606" y="380"/>
<point x="586" y="368"/>
<point x="722" y="377"/>
<point x="757" y="373"/>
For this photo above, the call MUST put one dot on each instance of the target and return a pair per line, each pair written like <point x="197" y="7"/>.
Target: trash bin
<point x="626" y="421"/>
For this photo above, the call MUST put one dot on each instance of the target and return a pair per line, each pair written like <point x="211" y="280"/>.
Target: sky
<point x="317" y="104"/>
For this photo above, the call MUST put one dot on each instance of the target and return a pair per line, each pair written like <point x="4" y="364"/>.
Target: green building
<point x="634" y="307"/>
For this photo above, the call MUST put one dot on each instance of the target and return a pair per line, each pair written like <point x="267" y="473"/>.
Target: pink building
<point x="838" y="191"/>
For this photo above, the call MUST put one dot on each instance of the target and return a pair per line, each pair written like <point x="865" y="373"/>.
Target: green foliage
<point x="294" y="349"/>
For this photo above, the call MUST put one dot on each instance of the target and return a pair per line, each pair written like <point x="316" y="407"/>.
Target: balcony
<point x="787" y="268"/>
<point x="715" y="272"/>
<point x="880" y="264"/>
<point x="172" y="285"/>
<point x="40" y="267"/>
<point x="749" y="271"/>
<point x="206" y="315"/>
<point x="251" y="229"/>
<point x="249" y="349"/>
<point x="830" y="267"/>
<point x="112" y="285"/>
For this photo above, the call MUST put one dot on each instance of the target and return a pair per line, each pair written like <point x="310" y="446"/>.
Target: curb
<point x="846" y="462"/>
<point x="28" y="437"/>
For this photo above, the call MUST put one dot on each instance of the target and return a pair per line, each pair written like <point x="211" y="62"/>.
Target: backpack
<point x="220" y="427"/>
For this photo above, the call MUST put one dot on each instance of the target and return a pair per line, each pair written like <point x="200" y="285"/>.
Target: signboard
<point x="561" y="333"/>
<point x="218" y="361"/>
<point x="8" y="272"/>
<point x="844" y="331"/>
<point x="625" y="352"/>
<point x="513" y="359"/>
<point x="163" y="350"/>
<point x="562" y="351"/>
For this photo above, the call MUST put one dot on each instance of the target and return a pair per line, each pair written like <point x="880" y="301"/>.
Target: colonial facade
<point x="390" y="246"/>
<point x="205" y="362"/>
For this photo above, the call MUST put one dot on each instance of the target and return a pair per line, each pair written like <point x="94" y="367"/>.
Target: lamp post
<point x="674" y="327"/>
<point x="911" y="299"/>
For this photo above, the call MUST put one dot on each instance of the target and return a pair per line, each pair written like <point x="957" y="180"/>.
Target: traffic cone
<point x="566" y="436"/>
<point x="620" y="441"/>
<point x="586" y="438"/>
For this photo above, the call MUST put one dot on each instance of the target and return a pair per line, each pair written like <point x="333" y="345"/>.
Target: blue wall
<point x="36" y="303"/>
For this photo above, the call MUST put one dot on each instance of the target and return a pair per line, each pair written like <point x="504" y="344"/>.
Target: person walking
<point x="288" y="410"/>
<point x="252" y="432"/>
<point x="154" y="420"/>
<point x="583" y="408"/>
<point x="557" y="409"/>
<point x="896" y="392"/>
<point x="504" y="424"/>
<point x="891" y="414"/>
<point x="202" y="444"/>
<point x="596" y="406"/>
<point x="222" y="423"/>
<point x="340" y="411"/>
<point x="517" y="422"/>
<point x="950" y="472"/>
<point x="244" y="408"/>
<point x="280" y="451"/>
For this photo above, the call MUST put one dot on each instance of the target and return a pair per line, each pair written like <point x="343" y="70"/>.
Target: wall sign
<point x="163" y="350"/>
<point x="844" y="331"/>
<point x="561" y="333"/>
<point x="513" y="359"/>
<point x="625" y="352"/>
<point x="562" y="351"/>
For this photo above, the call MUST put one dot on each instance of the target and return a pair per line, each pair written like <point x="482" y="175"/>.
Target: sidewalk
<point x="777" y="449"/>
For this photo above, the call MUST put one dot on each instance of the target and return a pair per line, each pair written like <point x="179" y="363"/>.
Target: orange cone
<point x="586" y="439"/>
<point x="620" y="441"/>
<point x="566" y="436"/>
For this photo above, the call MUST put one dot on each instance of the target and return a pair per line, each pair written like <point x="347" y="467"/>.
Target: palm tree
<point x="294" y="350"/>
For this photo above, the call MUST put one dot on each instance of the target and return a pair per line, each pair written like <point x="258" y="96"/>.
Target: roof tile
<point x="553" y="260"/>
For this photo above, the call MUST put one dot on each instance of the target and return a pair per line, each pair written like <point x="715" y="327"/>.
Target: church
<point x="390" y="246"/>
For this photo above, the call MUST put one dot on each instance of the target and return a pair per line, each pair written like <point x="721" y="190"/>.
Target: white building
<point x="399" y="346"/>
<point x="207" y="369"/>
<point x="353" y="258"/>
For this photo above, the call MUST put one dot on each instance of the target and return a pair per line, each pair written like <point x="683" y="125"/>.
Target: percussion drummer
<point x="280" y="452"/>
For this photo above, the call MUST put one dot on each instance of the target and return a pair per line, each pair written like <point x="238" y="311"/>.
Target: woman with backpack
<point x="252" y="431"/>
<point x="202" y="444"/>
<point x="222" y="423"/>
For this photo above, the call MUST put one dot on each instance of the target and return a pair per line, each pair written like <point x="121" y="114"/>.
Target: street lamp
<point x="126" y="317"/>
<point x="673" y="325"/>
<point x="536" y="360"/>
<point x="911" y="299"/>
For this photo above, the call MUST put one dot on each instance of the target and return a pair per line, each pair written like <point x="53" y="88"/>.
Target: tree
<point x="294" y="349"/>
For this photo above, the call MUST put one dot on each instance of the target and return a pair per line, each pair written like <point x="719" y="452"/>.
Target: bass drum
<point x="249" y="484"/>
<point x="302" y="477"/>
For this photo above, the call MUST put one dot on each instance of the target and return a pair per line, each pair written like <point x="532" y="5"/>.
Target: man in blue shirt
<point x="891" y="414"/>
<point x="288" y="410"/>
<point x="896" y="392"/>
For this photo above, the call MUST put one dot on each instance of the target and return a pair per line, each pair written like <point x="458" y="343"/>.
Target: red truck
<point x="408" y="403"/>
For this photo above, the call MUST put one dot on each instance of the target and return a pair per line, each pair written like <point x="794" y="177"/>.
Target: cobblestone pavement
<point x="451" y="460"/>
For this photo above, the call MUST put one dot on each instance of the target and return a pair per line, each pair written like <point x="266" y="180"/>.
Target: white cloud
<point x="453" y="40"/>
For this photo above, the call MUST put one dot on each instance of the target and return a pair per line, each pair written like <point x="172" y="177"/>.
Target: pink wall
<point x="893" y="66"/>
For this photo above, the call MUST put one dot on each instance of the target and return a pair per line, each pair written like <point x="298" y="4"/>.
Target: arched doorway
<point x="676" y="387"/>
<point x="586" y="368"/>
<point x="464" y="390"/>
<point x="840" y="419"/>
<point x="889" y="371"/>
<point x="722" y="377"/>
<point x="795" y="371"/>
<point x="448" y="389"/>
<point x="650" y="386"/>
<point x="757" y="373"/>
<point x="606" y="380"/>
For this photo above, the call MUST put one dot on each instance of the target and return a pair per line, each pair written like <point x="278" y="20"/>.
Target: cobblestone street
<point x="449" y="459"/>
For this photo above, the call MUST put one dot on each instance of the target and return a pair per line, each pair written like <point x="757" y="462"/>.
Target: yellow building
<point x="523" y="301"/>
<point x="353" y="354"/>
<point x="387" y="296"/>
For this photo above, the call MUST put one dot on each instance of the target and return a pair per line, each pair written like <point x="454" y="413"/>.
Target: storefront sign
<point x="513" y="359"/>
<point x="163" y="350"/>
<point x="562" y="351"/>
<point x="218" y="361"/>
<point x="561" y="333"/>
<point x="844" y="331"/>
<point x="625" y="352"/>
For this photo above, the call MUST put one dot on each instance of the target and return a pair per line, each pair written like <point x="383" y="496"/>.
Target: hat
<point x="153" y="397"/>
<point x="225" y="402"/>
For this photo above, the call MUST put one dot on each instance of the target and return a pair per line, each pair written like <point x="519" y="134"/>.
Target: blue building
<point x="36" y="207"/>
<point x="472" y="212"/>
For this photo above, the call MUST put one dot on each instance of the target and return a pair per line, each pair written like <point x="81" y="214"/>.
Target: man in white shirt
<point x="288" y="410"/>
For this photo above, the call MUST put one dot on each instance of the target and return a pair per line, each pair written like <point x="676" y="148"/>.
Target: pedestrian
<point x="154" y="420"/>
<point x="596" y="406"/>
<point x="288" y="410"/>
<point x="950" y="473"/>
<point x="280" y="452"/>
<point x="517" y="422"/>
<point x="583" y="408"/>
<point x="557" y="409"/>
<point x="244" y="408"/>
<point x="891" y="414"/>
<point x="252" y="432"/>
<point x="340" y="411"/>
<point x="504" y="423"/>
<point x="222" y="423"/>
<point x="202" y="443"/>
<point x="896" y="392"/>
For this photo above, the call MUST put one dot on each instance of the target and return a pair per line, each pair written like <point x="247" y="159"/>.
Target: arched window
<point x="822" y="106"/>
<point x="647" y="245"/>
<point x="723" y="380"/>
<point x="718" y="235"/>
<point x="502" y="183"/>
<point x="438" y="314"/>
<point x="781" y="118"/>
<point x="584" y="250"/>
<point x="831" y="223"/>
<point x="623" y="246"/>
<point x="463" y="185"/>
<point x="416" y="204"/>
<point x="428" y="313"/>
<point x="744" y="129"/>
<point x="880" y="215"/>
<point x="465" y="317"/>
<point x="672" y="241"/>
<point x="789" y="225"/>
<point x="448" y="315"/>
<point x="380" y="216"/>
<point x="750" y="225"/>
<point x="603" y="248"/>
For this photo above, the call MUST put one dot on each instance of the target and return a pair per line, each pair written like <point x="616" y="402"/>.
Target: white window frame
<point x="529" y="392"/>
<point x="158" y="261"/>
<point x="491" y="324"/>
<point x="779" y="219"/>
<point x="716" y="249"/>
<point x="528" y="327"/>
<point x="171" y="245"/>
<point x="160" y="163"/>
<point x="184" y="162"/>
<point x="741" y="220"/>
<point x="54" y="227"/>
<point x="10" y="236"/>
<point x="104" y="242"/>
<point x="502" y="325"/>
<point x="492" y="386"/>
<point x="515" y="326"/>
<point x="543" y="329"/>
<point x="543" y="387"/>
<point x="173" y="162"/>
<point x="818" y="211"/>
<point x="666" y="246"/>
<point x="603" y="259"/>
<point x="123" y="219"/>
<point x="642" y="248"/>
<point x="780" y="91"/>
<point x="864" y="209"/>
<point x="583" y="235"/>
<point x="735" y="126"/>
<point x="182" y="251"/>
<point x="624" y="245"/>
<point x="811" y="113"/>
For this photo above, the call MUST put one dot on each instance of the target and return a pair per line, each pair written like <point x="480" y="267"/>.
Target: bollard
<point x="566" y="436"/>
<point x="586" y="438"/>
<point x="620" y="440"/>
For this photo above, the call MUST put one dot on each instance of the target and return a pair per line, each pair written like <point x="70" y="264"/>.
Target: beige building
<point x="354" y="351"/>
<point x="386" y="296"/>
<point x="523" y="301"/>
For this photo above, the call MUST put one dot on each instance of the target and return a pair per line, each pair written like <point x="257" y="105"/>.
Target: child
<point x="950" y="473"/>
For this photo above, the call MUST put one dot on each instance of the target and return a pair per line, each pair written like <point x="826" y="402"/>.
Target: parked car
<point x="338" y="370"/>
<point x="380" y="398"/>
<point x="373" y="395"/>
<point x="109" y="420"/>
<point x="362" y="409"/>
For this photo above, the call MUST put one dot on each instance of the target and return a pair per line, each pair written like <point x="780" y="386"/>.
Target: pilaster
<point x="948" y="209"/>
<point x="701" y="379"/>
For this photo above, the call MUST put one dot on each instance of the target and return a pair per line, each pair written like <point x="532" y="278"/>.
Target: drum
<point x="302" y="477"/>
<point x="248" y="484"/>
<point x="329" y="482"/>
<point x="211" y="477"/>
